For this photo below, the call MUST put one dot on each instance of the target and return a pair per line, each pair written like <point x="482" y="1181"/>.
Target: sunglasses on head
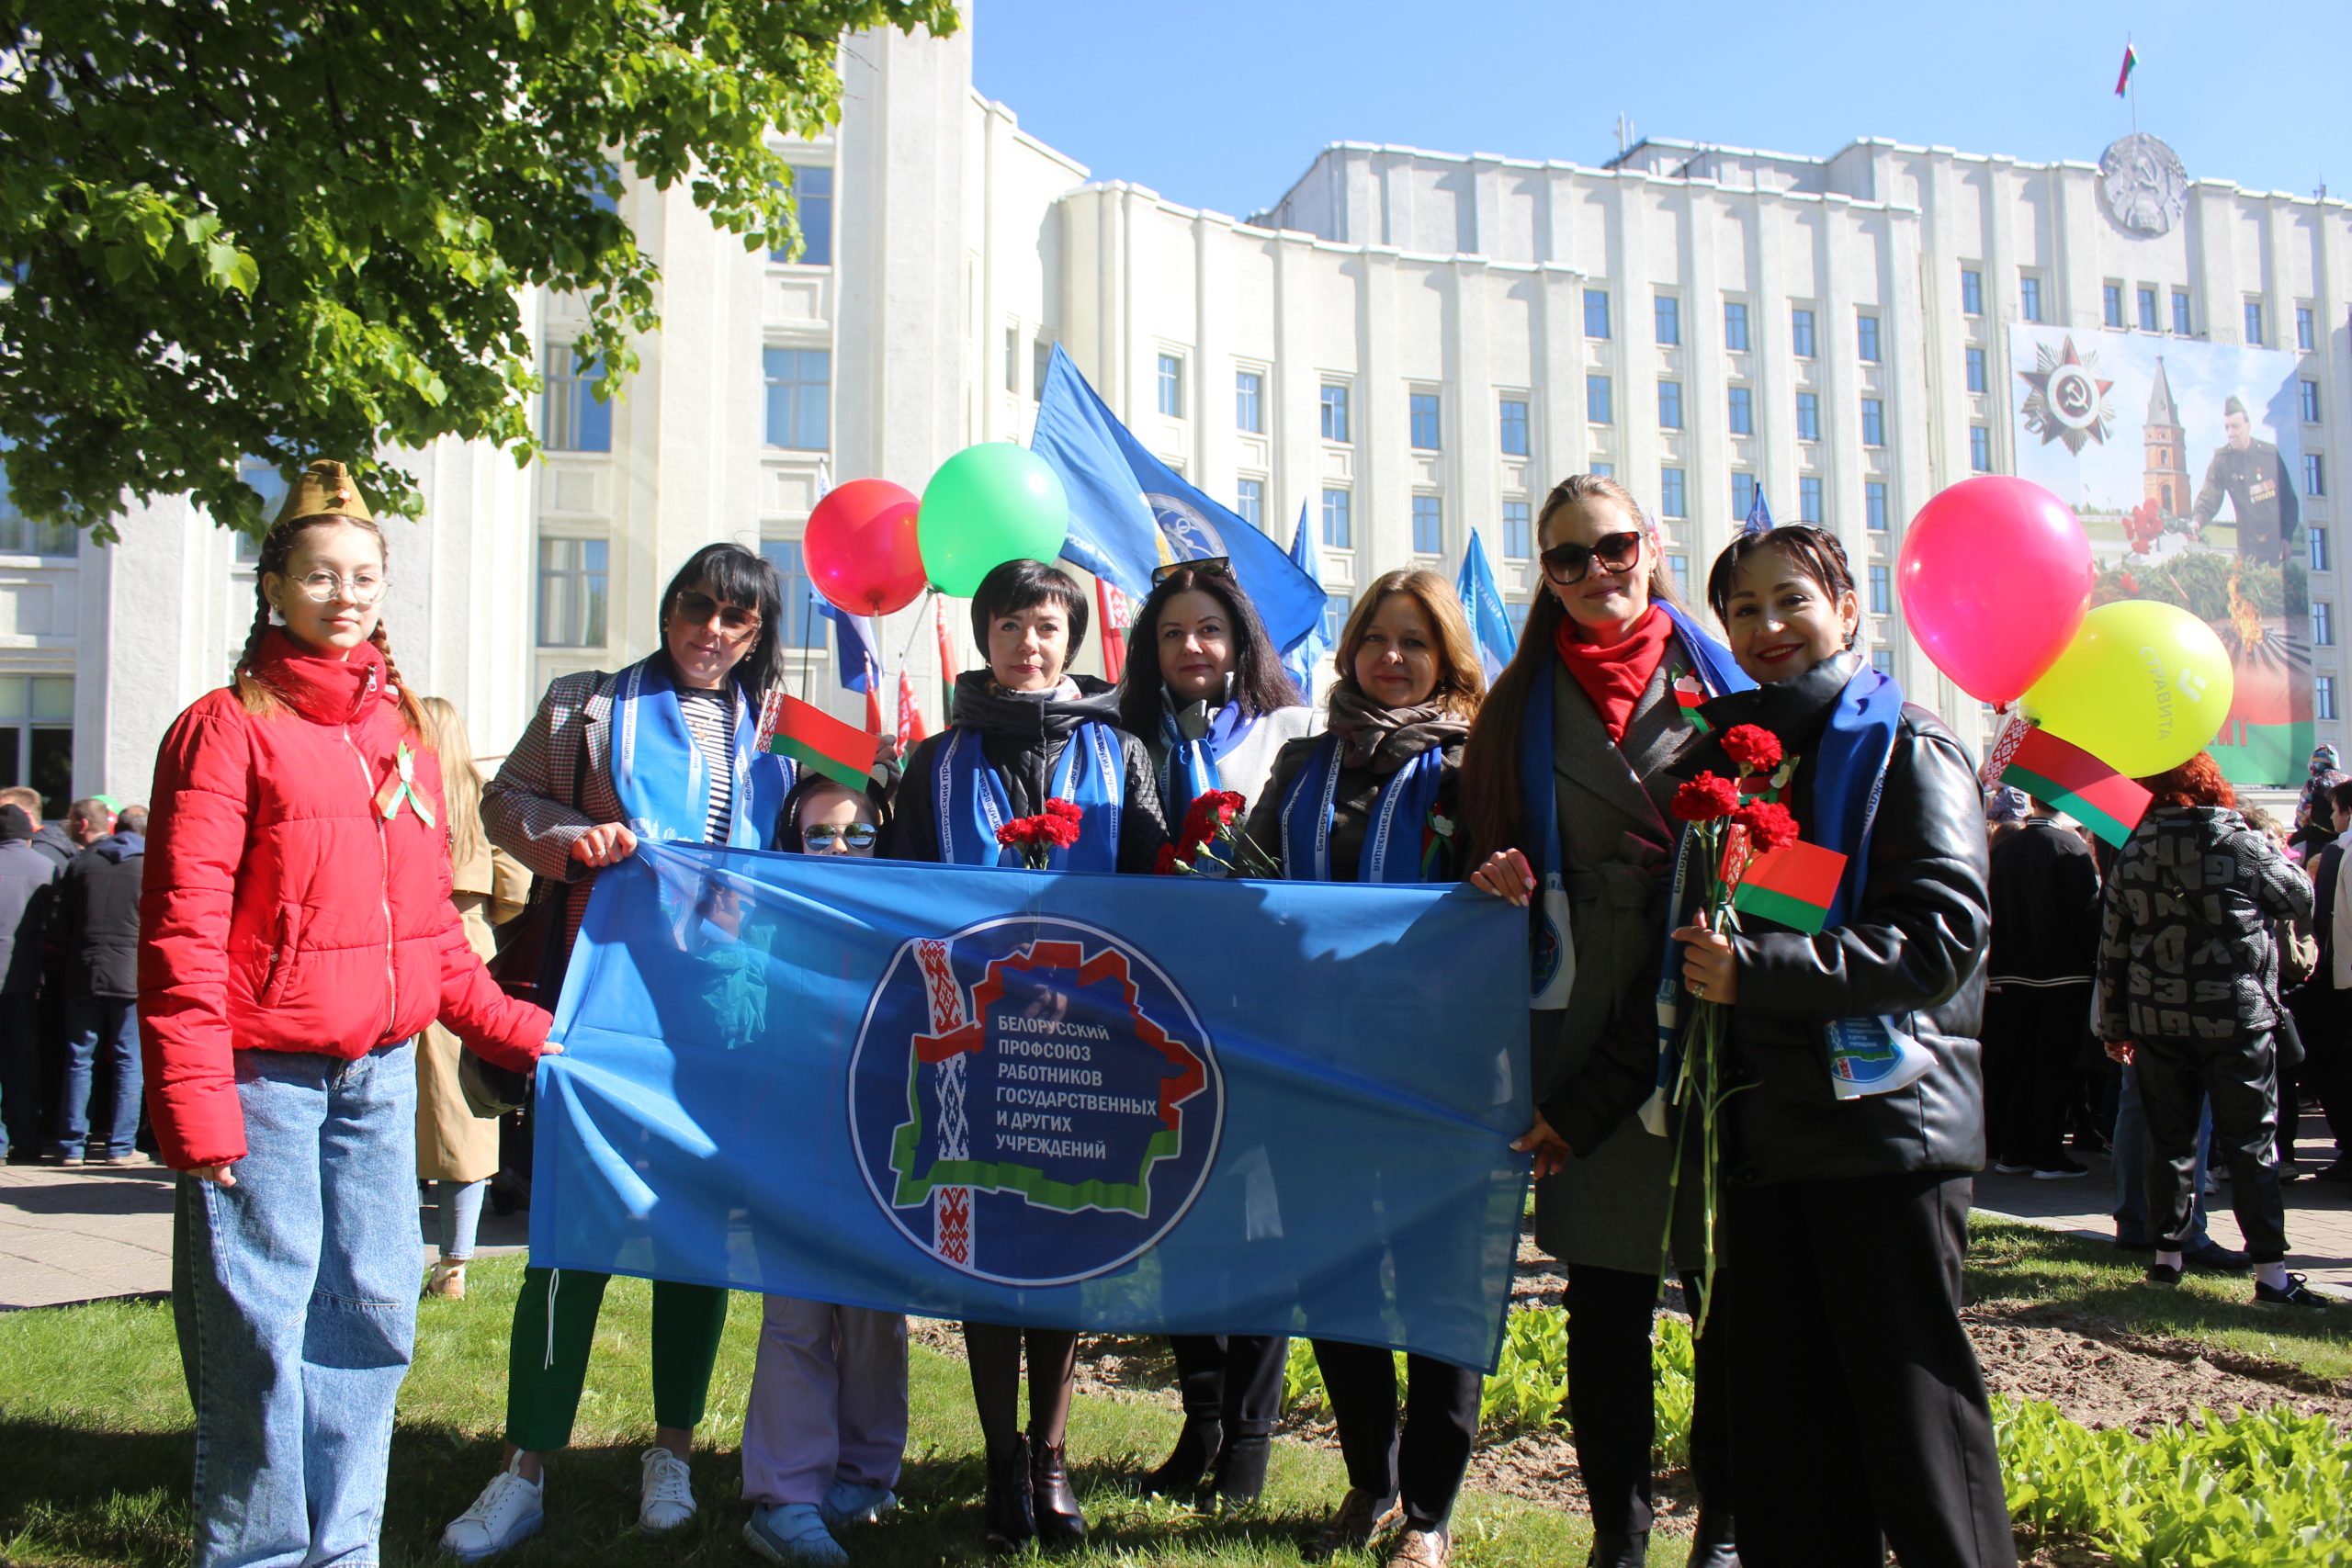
<point x="860" y="835"/>
<point x="1221" y="566"/>
<point x="1571" y="562"/>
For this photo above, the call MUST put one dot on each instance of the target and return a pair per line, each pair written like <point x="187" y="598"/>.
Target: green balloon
<point x="987" y="505"/>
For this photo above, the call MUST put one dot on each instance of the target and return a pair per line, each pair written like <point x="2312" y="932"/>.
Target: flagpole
<point x="906" y="652"/>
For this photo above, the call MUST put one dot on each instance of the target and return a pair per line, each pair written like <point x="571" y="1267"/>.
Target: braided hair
<point x="277" y="548"/>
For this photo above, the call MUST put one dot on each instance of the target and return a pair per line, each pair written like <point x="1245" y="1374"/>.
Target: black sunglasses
<point x="1220" y="566"/>
<point x="1569" y="563"/>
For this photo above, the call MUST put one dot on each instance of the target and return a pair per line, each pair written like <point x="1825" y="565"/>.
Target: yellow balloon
<point x="2143" y="687"/>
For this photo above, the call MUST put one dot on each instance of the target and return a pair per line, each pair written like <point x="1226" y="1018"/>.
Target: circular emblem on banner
<point x="1190" y="536"/>
<point x="1033" y="1100"/>
<point x="2143" y="184"/>
<point x="2067" y="397"/>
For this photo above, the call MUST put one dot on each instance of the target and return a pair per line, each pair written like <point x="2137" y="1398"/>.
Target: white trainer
<point x="509" y="1512"/>
<point x="665" y="1498"/>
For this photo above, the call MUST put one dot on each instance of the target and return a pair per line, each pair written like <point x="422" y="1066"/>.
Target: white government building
<point x="1407" y="345"/>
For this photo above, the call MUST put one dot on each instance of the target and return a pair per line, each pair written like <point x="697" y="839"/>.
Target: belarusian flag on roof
<point x="2065" y="775"/>
<point x="2123" y="77"/>
<point x="1793" y="885"/>
<point x="810" y="735"/>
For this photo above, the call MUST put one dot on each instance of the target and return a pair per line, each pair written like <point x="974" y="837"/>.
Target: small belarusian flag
<point x="1793" y="885"/>
<point x="1688" y="696"/>
<point x="2123" y="77"/>
<point x="810" y="735"/>
<point x="2066" y="776"/>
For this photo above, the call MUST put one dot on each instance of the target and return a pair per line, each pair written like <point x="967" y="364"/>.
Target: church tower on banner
<point x="2168" y="471"/>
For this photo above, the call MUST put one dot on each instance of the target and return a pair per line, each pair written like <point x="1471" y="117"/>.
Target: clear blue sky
<point x="1220" y="104"/>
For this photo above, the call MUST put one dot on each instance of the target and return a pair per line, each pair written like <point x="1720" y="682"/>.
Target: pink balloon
<point x="860" y="547"/>
<point x="1995" y="577"/>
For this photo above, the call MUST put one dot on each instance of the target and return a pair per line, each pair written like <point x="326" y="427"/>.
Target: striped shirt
<point x="710" y="719"/>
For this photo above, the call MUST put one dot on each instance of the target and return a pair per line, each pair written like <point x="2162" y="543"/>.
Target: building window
<point x="572" y="593"/>
<point x="2030" y="297"/>
<point x="1882" y="590"/>
<point x="1883" y="660"/>
<point x="2306" y="336"/>
<point x="2148" y="321"/>
<point x="1596" y="312"/>
<point x="572" y="417"/>
<point x="1808" y="416"/>
<point x="1428" y="525"/>
<point x="2322" y="624"/>
<point x="1679" y="565"/>
<point x="2319" y="545"/>
<point x="1742" y="410"/>
<point x="1743" y="495"/>
<point x="1980" y="448"/>
<point x="1335" y="616"/>
<point x="1514" y="427"/>
<point x="1041" y="360"/>
<point x="1873" y="422"/>
<point x="1809" y="499"/>
<point x="1673" y="497"/>
<point x="1424" y="410"/>
<point x="1670" y="321"/>
<point x="801" y="382"/>
<point x="1595" y="399"/>
<point x="1338" y="534"/>
<point x="1013" y="359"/>
<point x="1801" y="332"/>
<point x="36" y="737"/>
<point x="2180" y="312"/>
<point x="1602" y="470"/>
<point x="1249" y="501"/>
<point x="1874" y="505"/>
<point x="1972" y="291"/>
<point x="1736" y="325"/>
<point x="21" y="535"/>
<point x="261" y="477"/>
<point x="2307" y="395"/>
<point x="1669" y="405"/>
<point x="1172" y="385"/>
<point x="1515" y="612"/>
<point x="2323" y="696"/>
<point x="2111" y="301"/>
<point x="1975" y="362"/>
<point x="802" y="626"/>
<point x="1249" y="401"/>
<point x="2314" y="474"/>
<point x="1518" y="532"/>
<point x="1866" y="338"/>
<point x="1335" y="413"/>
<point x="812" y="205"/>
<point x="2253" y="321"/>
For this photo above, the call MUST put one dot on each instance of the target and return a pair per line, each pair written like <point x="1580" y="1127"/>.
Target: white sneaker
<point x="508" y="1512"/>
<point x="665" y="1498"/>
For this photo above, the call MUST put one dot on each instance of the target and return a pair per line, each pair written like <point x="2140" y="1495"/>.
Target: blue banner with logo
<point x="1138" y="1104"/>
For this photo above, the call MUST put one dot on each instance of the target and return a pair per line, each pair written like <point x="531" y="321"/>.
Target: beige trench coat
<point x="452" y="1143"/>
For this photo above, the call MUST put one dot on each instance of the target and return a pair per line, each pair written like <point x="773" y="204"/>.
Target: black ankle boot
<point x="1712" y="1546"/>
<point x="1059" y="1522"/>
<point x="1008" y="1522"/>
<point x="1613" y="1548"/>
<point x="1240" y="1473"/>
<point x="1196" y="1445"/>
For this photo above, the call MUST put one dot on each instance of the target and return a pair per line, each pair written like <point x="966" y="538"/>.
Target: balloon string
<point x="884" y="681"/>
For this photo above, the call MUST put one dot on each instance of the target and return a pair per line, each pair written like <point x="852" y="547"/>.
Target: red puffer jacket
<point x="281" y="911"/>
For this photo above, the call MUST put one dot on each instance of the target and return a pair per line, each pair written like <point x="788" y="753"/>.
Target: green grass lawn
<point x="93" y="1423"/>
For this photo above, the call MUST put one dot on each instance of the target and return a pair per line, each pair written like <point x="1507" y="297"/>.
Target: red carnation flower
<point x="1164" y="863"/>
<point x="1230" y="804"/>
<point x="1753" y="747"/>
<point x="1014" y="833"/>
<point x="1058" y="831"/>
<point x="1706" y="798"/>
<point x="1770" y="826"/>
<point x="1068" y="811"/>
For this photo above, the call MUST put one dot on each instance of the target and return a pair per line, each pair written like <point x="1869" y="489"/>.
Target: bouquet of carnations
<point x="1037" y="838"/>
<point x="1211" y="843"/>
<point x="1727" y="833"/>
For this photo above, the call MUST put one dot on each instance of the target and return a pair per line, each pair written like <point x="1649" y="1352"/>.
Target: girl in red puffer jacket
<point x="295" y="933"/>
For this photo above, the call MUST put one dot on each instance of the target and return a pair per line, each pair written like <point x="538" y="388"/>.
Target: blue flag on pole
<point x="1161" y="1105"/>
<point x="853" y="642"/>
<point x="1483" y="603"/>
<point x="1301" y="658"/>
<point x="1759" y="516"/>
<point x="1130" y="511"/>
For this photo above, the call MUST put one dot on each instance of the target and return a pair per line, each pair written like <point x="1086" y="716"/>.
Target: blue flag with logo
<point x="1130" y="511"/>
<point x="1759" y="516"/>
<point x="1161" y="1105"/>
<point x="1483" y="603"/>
<point x="1300" y="660"/>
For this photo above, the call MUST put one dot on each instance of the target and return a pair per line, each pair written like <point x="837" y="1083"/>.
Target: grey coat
<point x="1594" y="1061"/>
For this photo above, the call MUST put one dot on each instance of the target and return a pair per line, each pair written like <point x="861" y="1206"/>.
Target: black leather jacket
<point x="1915" y="949"/>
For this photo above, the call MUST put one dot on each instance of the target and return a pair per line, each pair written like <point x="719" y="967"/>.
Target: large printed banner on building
<point x="2180" y="458"/>
<point x="1154" y="1104"/>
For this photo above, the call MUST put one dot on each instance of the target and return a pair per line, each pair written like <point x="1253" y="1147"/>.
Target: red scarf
<point x="1616" y="675"/>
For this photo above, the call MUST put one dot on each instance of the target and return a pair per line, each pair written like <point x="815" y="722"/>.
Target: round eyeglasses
<point x="857" y="835"/>
<point x="326" y="587"/>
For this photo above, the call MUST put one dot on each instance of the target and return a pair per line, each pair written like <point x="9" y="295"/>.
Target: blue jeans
<point x="101" y="1076"/>
<point x="295" y="1296"/>
<point x="2128" y="1153"/>
<point x="459" y="1203"/>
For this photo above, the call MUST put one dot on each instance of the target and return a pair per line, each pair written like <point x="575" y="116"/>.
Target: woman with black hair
<point x="663" y="749"/>
<point x="1206" y="691"/>
<point x="1021" y="732"/>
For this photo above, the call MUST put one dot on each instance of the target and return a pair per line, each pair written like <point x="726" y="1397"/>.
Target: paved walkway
<point x="72" y="1234"/>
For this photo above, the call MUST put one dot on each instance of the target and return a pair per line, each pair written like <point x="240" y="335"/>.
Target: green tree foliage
<point x="301" y="228"/>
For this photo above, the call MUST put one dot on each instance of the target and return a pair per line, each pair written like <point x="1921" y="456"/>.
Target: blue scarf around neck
<point x="1189" y="772"/>
<point x="971" y="805"/>
<point x="1392" y="838"/>
<point x="662" y="779"/>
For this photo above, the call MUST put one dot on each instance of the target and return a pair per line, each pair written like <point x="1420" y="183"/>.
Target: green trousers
<point x="555" y="1321"/>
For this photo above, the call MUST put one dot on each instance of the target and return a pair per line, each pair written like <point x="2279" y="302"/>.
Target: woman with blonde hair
<point x="456" y="1150"/>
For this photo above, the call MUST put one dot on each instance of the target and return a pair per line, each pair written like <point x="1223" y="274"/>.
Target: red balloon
<point x="860" y="547"/>
<point x="1996" y="576"/>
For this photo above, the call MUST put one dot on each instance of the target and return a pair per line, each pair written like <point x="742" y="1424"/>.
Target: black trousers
<point x="1233" y="1379"/>
<point x="1857" y="1409"/>
<point x="1612" y="1403"/>
<point x="2241" y="1076"/>
<point x="1422" y="1467"/>
<point x="2033" y="1041"/>
<point x="2324" y="1016"/>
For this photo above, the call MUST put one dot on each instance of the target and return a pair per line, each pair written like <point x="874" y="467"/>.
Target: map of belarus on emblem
<point x="1033" y="1100"/>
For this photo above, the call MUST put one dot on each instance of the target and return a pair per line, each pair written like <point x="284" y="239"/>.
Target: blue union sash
<point x="970" y="804"/>
<point x="662" y="777"/>
<point x="1189" y="770"/>
<point x="1392" y="840"/>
